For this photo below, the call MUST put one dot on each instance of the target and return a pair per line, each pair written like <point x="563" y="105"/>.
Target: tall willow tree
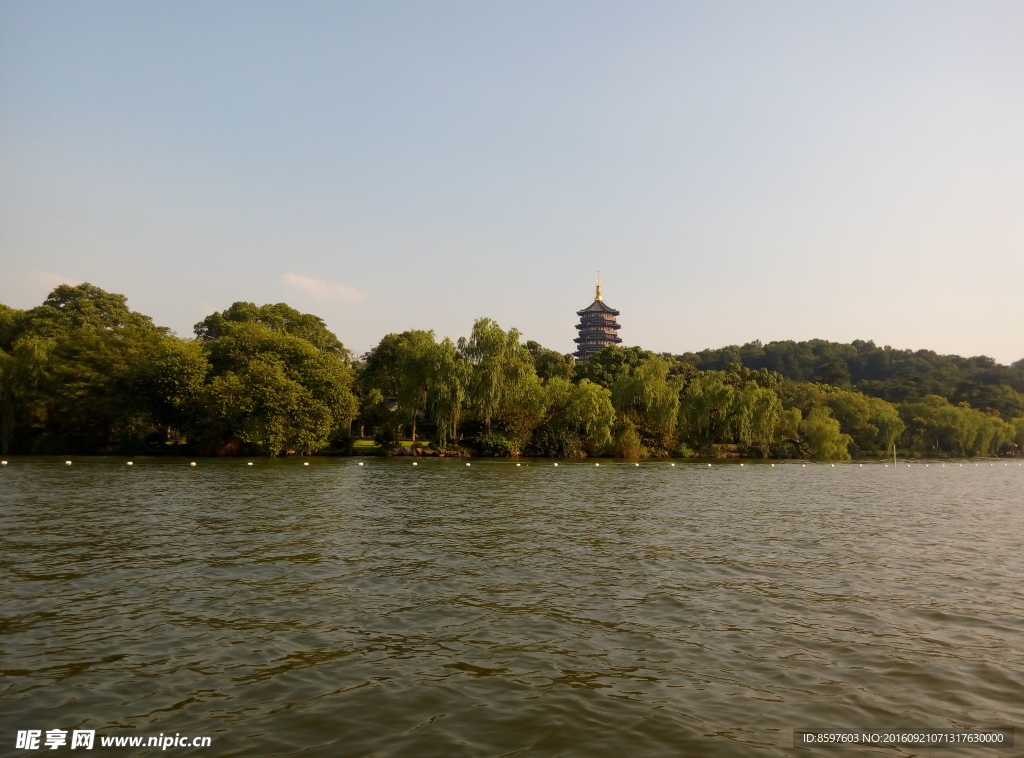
<point x="446" y="391"/>
<point x="501" y="369"/>
<point x="417" y="360"/>
<point x="647" y="399"/>
<point x="576" y="419"/>
<point x="401" y="366"/>
<point x="717" y="408"/>
<point x="817" y="436"/>
<point x="758" y="412"/>
<point x="707" y="411"/>
<point x="935" y="423"/>
<point x="872" y="423"/>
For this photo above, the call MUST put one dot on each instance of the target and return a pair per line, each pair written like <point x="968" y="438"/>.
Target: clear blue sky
<point x="736" y="170"/>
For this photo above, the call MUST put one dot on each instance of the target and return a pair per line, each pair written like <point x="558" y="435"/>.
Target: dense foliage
<point x="898" y="376"/>
<point x="83" y="373"/>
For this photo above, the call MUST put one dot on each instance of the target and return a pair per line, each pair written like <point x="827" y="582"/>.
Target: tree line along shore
<point x="82" y="373"/>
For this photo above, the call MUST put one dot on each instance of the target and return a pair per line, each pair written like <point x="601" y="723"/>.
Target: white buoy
<point x="773" y="465"/>
<point x="249" y="463"/>
<point x="671" y="464"/>
<point x="636" y="464"/>
<point x="67" y="463"/>
<point x="908" y="465"/>
<point x="597" y="464"/>
<point x="360" y="463"/>
<point x="926" y="465"/>
<point x="862" y="465"/>
<point x="887" y="465"/>
<point x="414" y="463"/>
<point x="556" y="465"/>
<point x="3" y="463"/>
<point x="741" y="464"/>
<point x="193" y="463"/>
<point x="833" y="465"/>
<point x="467" y="464"/>
<point x="804" y="465"/>
<point x="709" y="465"/>
<point x="129" y="463"/>
<point x="306" y="463"/>
<point x="518" y="465"/>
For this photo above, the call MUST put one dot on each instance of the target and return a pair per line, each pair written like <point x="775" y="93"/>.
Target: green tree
<point x="401" y="366"/>
<point x="608" y="363"/>
<point x="550" y="363"/>
<point x="707" y="410"/>
<point x="817" y="436"/>
<point x="81" y="397"/>
<point x="280" y="318"/>
<point x="271" y="391"/>
<point x="167" y="381"/>
<point x="757" y="417"/>
<point x="21" y="371"/>
<point x="872" y="423"/>
<point x="647" y="397"/>
<point x="576" y="419"/>
<point x="1018" y="432"/>
<point x="501" y="369"/>
<point x="446" y="394"/>
<point x="935" y="423"/>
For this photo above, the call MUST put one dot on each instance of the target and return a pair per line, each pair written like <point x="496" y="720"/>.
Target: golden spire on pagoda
<point x="598" y="296"/>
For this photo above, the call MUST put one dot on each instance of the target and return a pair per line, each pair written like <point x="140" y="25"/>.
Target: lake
<point x="489" y="610"/>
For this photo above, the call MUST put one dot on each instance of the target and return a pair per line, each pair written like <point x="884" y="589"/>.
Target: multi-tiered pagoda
<point x="598" y="327"/>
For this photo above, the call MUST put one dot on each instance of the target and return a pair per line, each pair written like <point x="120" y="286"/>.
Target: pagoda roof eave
<point x="598" y="306"/>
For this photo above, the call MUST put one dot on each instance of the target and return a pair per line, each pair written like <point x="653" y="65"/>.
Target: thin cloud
<point x="323" y="290"/>
<point x="50" y="280"/>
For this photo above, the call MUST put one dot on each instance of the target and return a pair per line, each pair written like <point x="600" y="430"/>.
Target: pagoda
<point x="598" y="327"/>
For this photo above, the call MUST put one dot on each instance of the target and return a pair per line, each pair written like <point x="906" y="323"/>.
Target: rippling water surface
<point x="445" y="610"/>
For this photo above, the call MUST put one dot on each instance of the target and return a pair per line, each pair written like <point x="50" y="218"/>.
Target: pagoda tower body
<point x="598" y="327"/>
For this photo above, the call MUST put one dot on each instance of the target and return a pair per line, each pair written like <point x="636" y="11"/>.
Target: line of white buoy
<point x="415" y="463"/>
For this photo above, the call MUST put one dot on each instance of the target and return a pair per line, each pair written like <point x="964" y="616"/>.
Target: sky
<point x="735" y="170"/>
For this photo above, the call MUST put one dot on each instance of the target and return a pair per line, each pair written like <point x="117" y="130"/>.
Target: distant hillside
<point x="899" y="376"/>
